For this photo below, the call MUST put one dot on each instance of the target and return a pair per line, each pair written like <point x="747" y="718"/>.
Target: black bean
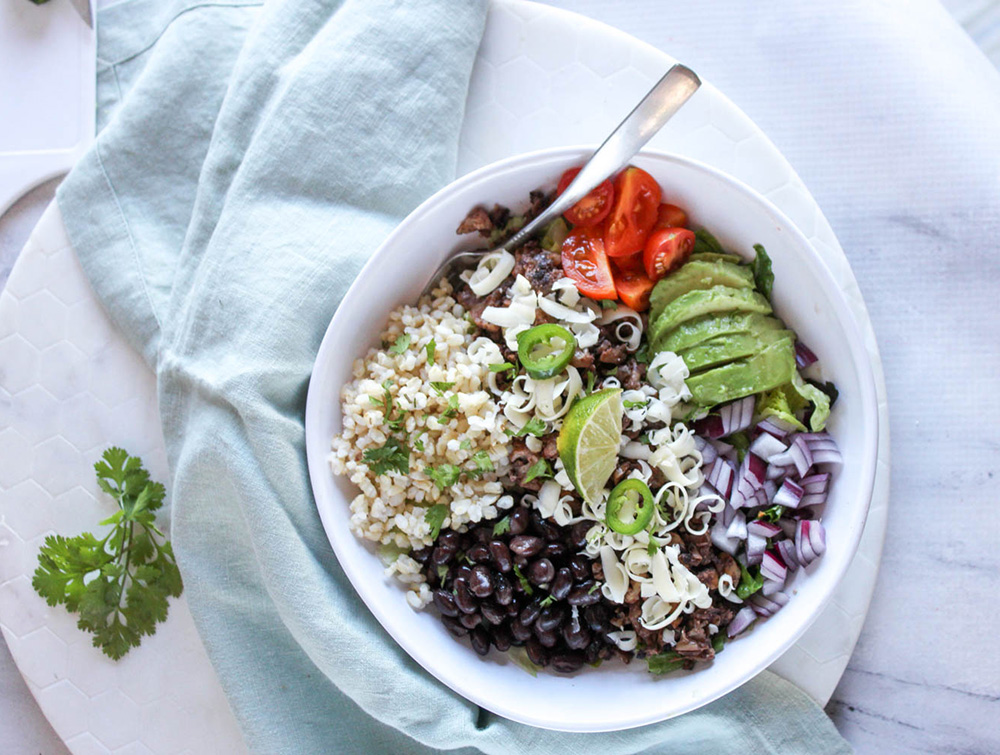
<point x="471" y="620"/>
<point x="478" y="553"/>
<point x="596" y="616"/>
<point x="519" y="631"/>
<point x="502" y="638"/>
<point x="562" y="584"/>
<point x="541" y="572"/>
<point x="593" y="651"/>
<point x="481" y="581"/>
<point x="442" y="555"/>
<point x="536" y="653"/>
<point x="493" y="613"/>
<point x="554" y="550"/>
<point x="515" y="606"/>
<point x="547" y="637"/>
<point x="463" y="598"/>
<point x="501" y="555"/>
<point x="526" y="545"/>
<point x="454" y="626"/>
<point x="567" y="663"/>
<point x="445" y="602"/>
<point x="422" y="555"/>
<point x="503" y="591"/>
<point x="531" y="612"/>
<point x="520" y="518"/>
<point x="577" y="636"/>
<point x="580" y="567"/>
<point x="480" y="640"/>
<point x="521" y="562"/>
<point x="578" y="533"/>
<point x="483" y="533"/>
<point x="546" y="529"/>
<point x="551" y="617"/>
<point x="584" y="594"/>
<point x="459" y="571"/>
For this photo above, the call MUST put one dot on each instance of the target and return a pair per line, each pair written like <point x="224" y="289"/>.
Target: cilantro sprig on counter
<point x="119" y="585"/>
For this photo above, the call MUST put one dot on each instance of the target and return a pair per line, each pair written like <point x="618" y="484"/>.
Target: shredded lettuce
<point x="781" y="403"/>
<point x="819" y="399"/>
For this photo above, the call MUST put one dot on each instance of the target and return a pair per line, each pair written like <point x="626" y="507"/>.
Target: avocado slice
<point x="701" y="329"/>
<point x="726" y="348"/>
<point x="765" y="370"/>
<point x="697" y="275"/>
<point x="718" y="299"/>
<point x="716" y="257"/>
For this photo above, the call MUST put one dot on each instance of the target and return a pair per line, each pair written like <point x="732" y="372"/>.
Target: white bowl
<point x="612" y="696"/>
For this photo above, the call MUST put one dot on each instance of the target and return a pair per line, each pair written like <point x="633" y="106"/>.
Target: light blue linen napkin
<point x="249" y="161"/>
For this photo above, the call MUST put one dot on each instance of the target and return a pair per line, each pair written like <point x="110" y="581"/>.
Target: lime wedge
<point x="589" y="440"/>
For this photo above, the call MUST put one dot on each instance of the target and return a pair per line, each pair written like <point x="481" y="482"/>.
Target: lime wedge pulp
<point x="589" y="440"/>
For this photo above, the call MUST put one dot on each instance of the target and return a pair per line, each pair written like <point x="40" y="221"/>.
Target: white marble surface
<point x="890" y="115"/>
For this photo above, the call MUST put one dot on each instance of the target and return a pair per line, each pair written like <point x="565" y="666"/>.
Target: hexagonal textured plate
<point x="70" y="386"/>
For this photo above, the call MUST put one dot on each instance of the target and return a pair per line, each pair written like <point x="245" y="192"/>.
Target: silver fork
<point x="648" y="117"/>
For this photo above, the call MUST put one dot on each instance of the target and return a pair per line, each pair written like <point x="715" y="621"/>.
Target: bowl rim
<point x="318" y="462"/>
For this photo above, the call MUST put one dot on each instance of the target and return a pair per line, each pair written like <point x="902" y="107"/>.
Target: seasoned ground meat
<point x="521" y="460"/>
<point x="624" y="469"/>
<point x="478" y="220"/>
<point x="583" y="359"/>
<point x="550" y="449"/>
<point x="541" y="267"/>
<point x="474" y="306"/>
<point x="631" y="374"/>
<point x="611" y="353"/>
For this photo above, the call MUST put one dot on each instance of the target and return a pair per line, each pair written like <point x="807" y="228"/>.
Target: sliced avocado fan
<point x="705" y="328"/>
<point x="763" y="371"/>
<point x="719" y="299"/>
<point x="727" y="348"/>
<point x="697" y="275"/>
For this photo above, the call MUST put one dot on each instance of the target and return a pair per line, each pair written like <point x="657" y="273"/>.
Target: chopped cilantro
<point x="718" y="641"/>
<point x="644" y="439"/>
<point x="548" y="600"/>
<point x="482" y="462"/>
<point x="741" y="443"/>
<point x="435" y="517"/>
<point x="772" y="514"/>
<point x="749" y="583"/>
<point x="440" y="387"/>
<point x="525" y="585"/>
<point x="534" y="426"/>
<point x="401" y="344"/>
<point x="653" y="546"/>
<point x="501" y="367"/>
<point x="465" y="445"/>
<point x="634" y="404"/>
<point x="393" y="456"/>
<point x="608" y="304"/>
<point x="664" y="663"/>
<point x="642" y="355"/>
<point x="431" y="348"/>
<point x="444" y="475"/>
<point x="501" y="527"/>
<point x="442" y="570"/>
<point x="540" y="468"/>
<point x="591" y="377"/>
<point x="593" y="588"/>
<point x="452" y="407"/>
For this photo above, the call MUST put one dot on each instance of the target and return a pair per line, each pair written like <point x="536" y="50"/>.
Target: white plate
<point x="70" y="385"/>
<point x="806" y="297"/>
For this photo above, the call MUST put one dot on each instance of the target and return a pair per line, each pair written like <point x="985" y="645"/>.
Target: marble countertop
<point x="889" y="114"/>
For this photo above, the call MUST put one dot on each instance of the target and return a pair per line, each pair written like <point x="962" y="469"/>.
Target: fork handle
<point x="648" y="117"/>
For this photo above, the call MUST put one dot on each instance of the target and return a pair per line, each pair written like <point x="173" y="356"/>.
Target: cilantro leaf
<point x="452" y="407"/>
<point x="634" y="404"/>
<point x="540" y="468"/>
<point x="435" y="517"/>
<point x="706" y="242"/>
<point x="129" y="574"/>
<point x="394" y="456"/>
<point x="440" y="387"/>
<point x="444" y="475"/>
<point x="502" y="526"/>
<point x="591" y="378"/>
<point x="401" y="344"/>
<point x="762" y="275"/>
<point x="431" y="348"/>
<point x="465" y="445"/>
<point x="772" y="514"/>
<point x="548" y="600"/>
<point x="525" y="584"/>
<point x="501" y="367"/>
<point x="533" y="426"/>
<point x="749" y="583"/>
<point x="482" y="462"/>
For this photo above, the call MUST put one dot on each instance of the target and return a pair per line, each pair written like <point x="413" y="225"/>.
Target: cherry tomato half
<point x="628" y="264"/>
<point x="637" y="200"/>
<point x="634" y="287"/>
<point x="593" y="208"/>
<point x="671" y="216"/>
<point x="586" y="264"/>
<point x="666" y="250"/>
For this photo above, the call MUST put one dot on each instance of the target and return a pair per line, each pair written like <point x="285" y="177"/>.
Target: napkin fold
<point x="250" y="159"/>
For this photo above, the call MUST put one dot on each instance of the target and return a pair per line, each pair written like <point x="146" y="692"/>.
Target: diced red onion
<point x="804" y="356"/>
<point x="810" y="541"/>
<point x="770" y="489"/>
<point x="760" y="496"/>
<point x="774" y="427"/>
<point x="710" y="426"/>
<point x="798" y="453"/>
<point x="763" y="528"/>
<point x="721" y="541"/>
<point x="749" y="480"/>
<point x="789" y="527"/>
<point x="789" y="495"/>
<point x="724" y="450"/>
<point x="708" y="452"/>
<point x="822" y="448"/>
<point x="766" y="446"/>
<point x="813" y="499"/>
<point x="737" y="527"/>
<point x="726" y="515"/>
<point x="736" y="416"/>
<point x="777" y="471"/>
<point x="720" y="475"/>
<point x="815" y="483"/>
<point x="771" y="587"/>
<point x="773" y="567"/>
<point x="786" y="549"/>
<point x="768" y="605"/>
<point x="743" y="619"/>
<point x="755" y="548"/>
